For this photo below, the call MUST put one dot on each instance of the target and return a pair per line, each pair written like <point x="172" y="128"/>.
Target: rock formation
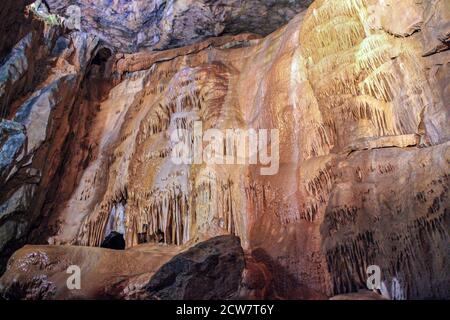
<point x="40" y="272"/>
<point x="358" y="90"/>
<point x="162" y="24"/>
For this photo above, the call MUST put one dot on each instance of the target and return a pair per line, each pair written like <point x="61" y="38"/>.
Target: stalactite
<point x="189" y="90"/>
<point x="338" y="34"/>
<point x="367" y="107"/>
<point x="326" y="10"/>
<point x="378" y="83"/>
<point x="164" y="212"/>
<point x="348" y="262"/>
<point x="321" y="183"/>
<point x="365" y="71"/>
<point x="340" y="216"/>
<point x="399" y="254"/>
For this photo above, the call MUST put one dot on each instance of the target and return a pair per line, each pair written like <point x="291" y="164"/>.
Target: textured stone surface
<point x="364" y="224"/>
<point x="34" y="114"/>
<point x="209" y="270"/>
<point x="29" y="163"/>
<point x="16" y="73"/>
<point x="12" y="143"/>
<point x="40" y="272"/>
<point x="436" y="27"/>
<point x="163" y="24"/>
<point x="27" y="65"/>
<point x="359" y="91"/>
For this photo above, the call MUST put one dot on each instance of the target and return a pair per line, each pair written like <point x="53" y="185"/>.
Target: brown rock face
<point x="357" y="172"/>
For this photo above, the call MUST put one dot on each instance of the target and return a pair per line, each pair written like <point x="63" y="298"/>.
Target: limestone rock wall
<point x="37" y="272"/>
<point x="14" y="22"/>
<point x="359" y="93"/>
<point x="42" y="76"/>
<point x="163" y="24"/>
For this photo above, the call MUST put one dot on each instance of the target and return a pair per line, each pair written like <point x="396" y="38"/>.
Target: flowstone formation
<point x="358" y="91"/>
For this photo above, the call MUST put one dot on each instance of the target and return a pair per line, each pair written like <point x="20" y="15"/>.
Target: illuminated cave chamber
<point x="357" y="89"/>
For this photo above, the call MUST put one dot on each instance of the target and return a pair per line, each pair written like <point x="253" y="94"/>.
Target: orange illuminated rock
<point x="359" y="97"/>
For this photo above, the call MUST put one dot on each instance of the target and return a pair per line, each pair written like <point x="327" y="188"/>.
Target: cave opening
<point x="100" y="68"/>
<point x="102" y="56"/>
<point x="98" y="78"/>
<point x="117" y="220"/>
<point x="93" y="115"/>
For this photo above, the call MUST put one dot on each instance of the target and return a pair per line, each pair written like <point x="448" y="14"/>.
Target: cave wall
<point x="359" y="92"/>
<point x="130" y="26"/>
<point x="42" y="77"/>
<point x="14" y="24"/>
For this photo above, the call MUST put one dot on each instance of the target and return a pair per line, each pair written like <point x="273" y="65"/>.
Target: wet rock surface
<point x="37" y="102"/>
<point x="40" y="272"/>
<point x="209" y="270"/>
<point x="13" y="23"/>
<point x="114" y="240"/>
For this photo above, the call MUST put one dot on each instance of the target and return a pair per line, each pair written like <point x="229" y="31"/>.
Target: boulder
<point x="41" y="272"/>
<point x="210" y="270"/>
